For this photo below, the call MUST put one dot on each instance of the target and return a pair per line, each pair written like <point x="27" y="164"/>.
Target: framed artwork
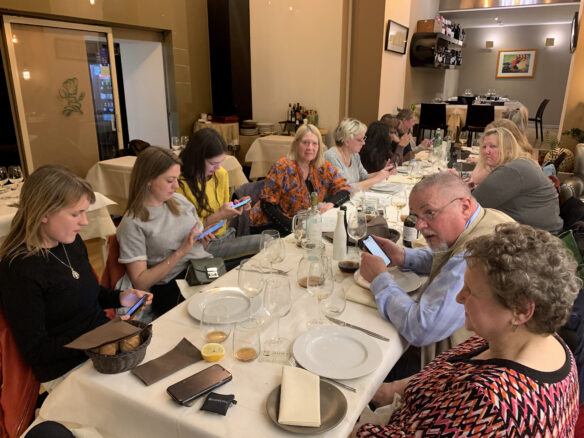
<point x="574" y="33"/>
<point x="516" y="63"/>
<point x="396" y="37"/>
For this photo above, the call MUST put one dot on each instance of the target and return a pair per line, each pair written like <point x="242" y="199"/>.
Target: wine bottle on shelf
<point x="410" y="232"/>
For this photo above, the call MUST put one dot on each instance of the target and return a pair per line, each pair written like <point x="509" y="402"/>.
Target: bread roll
<point x="131" y="343"/>
<point x="109" y="349"/>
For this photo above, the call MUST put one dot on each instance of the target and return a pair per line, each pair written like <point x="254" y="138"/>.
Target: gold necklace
<point x="74" y="273"/>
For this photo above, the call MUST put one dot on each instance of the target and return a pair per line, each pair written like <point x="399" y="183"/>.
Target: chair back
<point x="479" y="116"/>
<point x="540" y="110"/>
<point x="253" y="190"/>
<point x="465" y="100"/>
<point x="433" y="115"/>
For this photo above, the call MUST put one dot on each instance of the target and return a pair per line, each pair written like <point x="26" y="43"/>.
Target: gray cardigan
<point x="354" y="173"/>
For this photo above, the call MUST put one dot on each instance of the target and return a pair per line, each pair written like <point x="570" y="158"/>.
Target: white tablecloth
<point x="112" y="177"/>
<point x="265" y="151"/>
<point x="121" y="406"/>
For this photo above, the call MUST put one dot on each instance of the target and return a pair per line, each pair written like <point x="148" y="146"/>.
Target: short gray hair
<point x="446" y="182"/>
<point x="348" y="129"/>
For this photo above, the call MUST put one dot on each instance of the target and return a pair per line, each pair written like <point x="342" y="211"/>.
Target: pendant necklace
<point x="74" y="273"/>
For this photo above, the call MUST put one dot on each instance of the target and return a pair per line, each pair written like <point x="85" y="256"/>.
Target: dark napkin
<point x="376" y="226"/>
<point x="176" y="359"/>
<point x="107" y="333"/>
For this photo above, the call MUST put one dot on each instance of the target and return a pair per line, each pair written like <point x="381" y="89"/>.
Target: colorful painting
<point x="516" y="63"/>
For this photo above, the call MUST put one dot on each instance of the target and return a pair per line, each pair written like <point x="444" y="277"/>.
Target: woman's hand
<point x="129" y="297"/>
<point x="425" y="143"/>
<point x="325" y="207"/>
<point x="405" y="140"/>
<point x="390" y="167"/>
<point x="207" y="239"/>
<point x="189" y="241"/>
<point x="245" y="207"/>
<point x="227" y="211"/>
<point x="387" y="391"/>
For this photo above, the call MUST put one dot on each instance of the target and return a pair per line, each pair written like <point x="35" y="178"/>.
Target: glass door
<point x="65" y="92"/>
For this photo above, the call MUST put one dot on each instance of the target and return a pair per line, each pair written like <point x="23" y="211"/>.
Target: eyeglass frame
<point x="431" y="215"/>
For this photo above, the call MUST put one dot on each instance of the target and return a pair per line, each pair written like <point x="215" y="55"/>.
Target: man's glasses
<point x="430" y="215"/>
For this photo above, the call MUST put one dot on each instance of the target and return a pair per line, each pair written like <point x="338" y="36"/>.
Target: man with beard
<point x="447" y="216"/>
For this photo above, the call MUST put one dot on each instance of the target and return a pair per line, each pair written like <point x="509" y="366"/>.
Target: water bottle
<point x="340" y="238"/>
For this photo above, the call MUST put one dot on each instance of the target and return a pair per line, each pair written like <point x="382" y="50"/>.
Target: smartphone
<point x="213" y="228"/>
<point x="198" y="384"/>
<point x="375" y="249"/>
<point x="137" y="305"/>
<point x="239" y="204"/>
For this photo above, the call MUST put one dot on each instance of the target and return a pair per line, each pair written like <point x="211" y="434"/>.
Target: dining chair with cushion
<point x="477" y="117"/>
<point x="253" y="190"/>
<point x="432" y="117"/>
<point x="539" y="118"/>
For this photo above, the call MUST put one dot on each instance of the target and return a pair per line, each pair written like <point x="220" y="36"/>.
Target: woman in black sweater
<point x="48" y="291"/>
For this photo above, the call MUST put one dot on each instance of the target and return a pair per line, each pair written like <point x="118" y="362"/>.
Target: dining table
<point x="265" y="151"/>
<point x="112" y="178"/>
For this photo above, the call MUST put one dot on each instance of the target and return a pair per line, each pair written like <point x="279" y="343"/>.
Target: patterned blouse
<point x="457" y="396"/>
<point x="285" y="188"/>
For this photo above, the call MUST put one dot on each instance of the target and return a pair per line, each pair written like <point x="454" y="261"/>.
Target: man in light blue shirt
<point x="447" y="216"/>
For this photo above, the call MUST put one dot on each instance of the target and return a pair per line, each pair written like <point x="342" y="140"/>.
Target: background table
<point x="120" y="405"/>
<point x="112" y="178"/>
<point x="265" y="151"/>
<point x="229" y="131"/>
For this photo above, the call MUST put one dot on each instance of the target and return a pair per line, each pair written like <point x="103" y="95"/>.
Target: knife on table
<point x="346" y="324"/>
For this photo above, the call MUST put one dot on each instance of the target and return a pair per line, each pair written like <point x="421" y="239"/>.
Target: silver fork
<point x="293" y="363"/>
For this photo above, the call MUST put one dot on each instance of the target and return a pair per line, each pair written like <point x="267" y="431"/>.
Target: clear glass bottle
<point x="314" y="221"/>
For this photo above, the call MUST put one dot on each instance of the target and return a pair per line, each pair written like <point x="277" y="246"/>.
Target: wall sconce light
<point x="489" y="44"/>
<point x="25" y="75"/>
<point x="549" y="42"/>
<point x="92" y="2"/>
<point x="14" y="39"/>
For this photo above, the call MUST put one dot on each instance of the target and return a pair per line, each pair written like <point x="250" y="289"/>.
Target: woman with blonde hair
<point x="516" y="185"/>
<point x="49" y="293"/>
<point x="292" y="179"/>
<point x="350" y="139"/>
<point x="158" y="233"/>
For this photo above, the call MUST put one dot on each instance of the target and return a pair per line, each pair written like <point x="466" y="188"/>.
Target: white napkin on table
<point x="358" y="294"/>
<point x="299" y="398"/>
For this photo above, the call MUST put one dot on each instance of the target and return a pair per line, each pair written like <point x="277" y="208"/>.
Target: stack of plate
<point x="248" y="127"/>
<point x="265" y="128"/>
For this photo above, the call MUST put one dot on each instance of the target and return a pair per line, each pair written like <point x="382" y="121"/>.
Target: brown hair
<point x="150" y="164"/>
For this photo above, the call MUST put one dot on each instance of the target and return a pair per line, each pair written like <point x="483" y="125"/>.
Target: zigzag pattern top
<point x="456" y="396"/>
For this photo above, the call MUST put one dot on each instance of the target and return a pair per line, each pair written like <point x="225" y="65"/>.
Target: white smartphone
<point x="375" y="249"/>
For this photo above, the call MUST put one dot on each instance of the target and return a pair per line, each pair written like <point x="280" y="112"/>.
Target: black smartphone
<point x="375" y="249"/>
<point x="137" y="305"/>
<point x="200" y="383"/>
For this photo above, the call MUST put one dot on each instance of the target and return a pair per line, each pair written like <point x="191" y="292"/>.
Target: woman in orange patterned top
<point x="291" y="180"/>
<point x="517" y="378"/>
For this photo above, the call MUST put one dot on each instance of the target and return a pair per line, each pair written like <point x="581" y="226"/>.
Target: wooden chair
<point x="539" y="117"/>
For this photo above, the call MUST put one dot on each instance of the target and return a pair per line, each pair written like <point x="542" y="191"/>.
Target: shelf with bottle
<point x="435" y="50"/>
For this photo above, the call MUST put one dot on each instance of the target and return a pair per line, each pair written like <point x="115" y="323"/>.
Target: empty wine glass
<point x="183" y="141"/>
<point x="15" y="175"/>
<point x="175" y="144"/>
<point x="320" y="285"/>
<point x="3" y="176"/>
<point x="335" y="304"/>
<point x="273" y="247"/>
<point x="213" y="325"/>
<point x="278" y="302"/>
<point x="250" y="281"/>
<point x="398" y="201"/>
<point x="357" y="225"/>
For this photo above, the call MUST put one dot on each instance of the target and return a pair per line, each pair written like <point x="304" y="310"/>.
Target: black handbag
<point x="204" y="271"/>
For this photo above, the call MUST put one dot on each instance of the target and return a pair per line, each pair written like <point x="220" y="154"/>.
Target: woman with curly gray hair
<point x="519" y="288"/>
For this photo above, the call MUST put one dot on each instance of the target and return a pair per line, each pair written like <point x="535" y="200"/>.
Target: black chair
<point x="432" y="117"/>
<point x="477" y="117"/>
<point x="465" y="100"/>
<point x="539" y="117"/>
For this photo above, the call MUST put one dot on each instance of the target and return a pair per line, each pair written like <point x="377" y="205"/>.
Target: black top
<point x="47" y="308"/>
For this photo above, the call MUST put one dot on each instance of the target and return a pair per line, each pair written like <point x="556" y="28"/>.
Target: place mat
<point x="182" y="355"/>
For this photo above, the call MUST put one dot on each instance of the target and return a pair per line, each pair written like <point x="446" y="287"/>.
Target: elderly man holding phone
<point x="447" y="216"/>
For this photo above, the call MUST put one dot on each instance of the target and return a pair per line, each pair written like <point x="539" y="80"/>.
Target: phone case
<point x="200" y="383"/>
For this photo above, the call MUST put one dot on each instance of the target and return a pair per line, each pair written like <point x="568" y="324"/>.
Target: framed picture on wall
<point x="516" y="63"/>
<point x="396" y="37"/>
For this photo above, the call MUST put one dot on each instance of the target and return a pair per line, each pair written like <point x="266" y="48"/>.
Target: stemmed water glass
<point x="183" y="141"/>
<point x="278" y="302"/>
<point x="398" y="201"/>
<point x="175" y="144"/>
<point x="320" y="285"/>
<point x="273" y="247"/>
<point x="15" y="175"/>
<point x="250" y="281"/>
<point x="357" y="225"/>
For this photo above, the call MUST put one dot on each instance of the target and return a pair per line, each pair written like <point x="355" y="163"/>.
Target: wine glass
<point x="250" y="281"/>
<point x="357" y="225"/>
<point x="175" y="144"/>
<point x="213" y="325"/>
<point x="398" y="201"/>
<point x="278" y="302"/>
<point x="273" y="247"/>
<point x="3" y="176"/>
<point x="320" y="285"/>
<point x="463" y="138"/>
<point x="184" y="139"/>
<point x="335" y="304"/>
<point x="15" y="175"/>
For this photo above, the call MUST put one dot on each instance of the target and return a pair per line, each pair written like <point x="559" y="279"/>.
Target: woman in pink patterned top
<point x="517" y="378"/>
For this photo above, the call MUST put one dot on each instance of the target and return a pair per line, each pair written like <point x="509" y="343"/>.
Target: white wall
<point x="143" y="73"/>
<point x="296" y="57"/>
<point x="393" y="65"/>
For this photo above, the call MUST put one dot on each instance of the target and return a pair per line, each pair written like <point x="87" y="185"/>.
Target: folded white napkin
<point x="299" y="398"/>
<point x="358" y="294"/>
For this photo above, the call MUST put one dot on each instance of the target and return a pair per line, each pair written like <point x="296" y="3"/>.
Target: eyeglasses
<point x="361" y="139"/>
<point x="430" y="215"/>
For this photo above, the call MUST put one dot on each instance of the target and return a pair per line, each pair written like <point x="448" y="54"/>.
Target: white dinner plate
<point x="237" y="305"/>
<point x="409" y="281"/>
<point x="386" y="187"/>
<point x="402" y="169"/>
<point x="337" y="352"/>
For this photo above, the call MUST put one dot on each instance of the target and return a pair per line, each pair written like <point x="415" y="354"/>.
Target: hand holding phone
<point x="239" y="204"/>
<point x="137" y="305"/>
<point x="210" y="230"/>
<point x="375" y="249"/>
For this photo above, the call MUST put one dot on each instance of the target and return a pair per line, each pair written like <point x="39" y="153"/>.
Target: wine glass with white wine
<point x="463" y="138"/>
<point x="398" y="201"/>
